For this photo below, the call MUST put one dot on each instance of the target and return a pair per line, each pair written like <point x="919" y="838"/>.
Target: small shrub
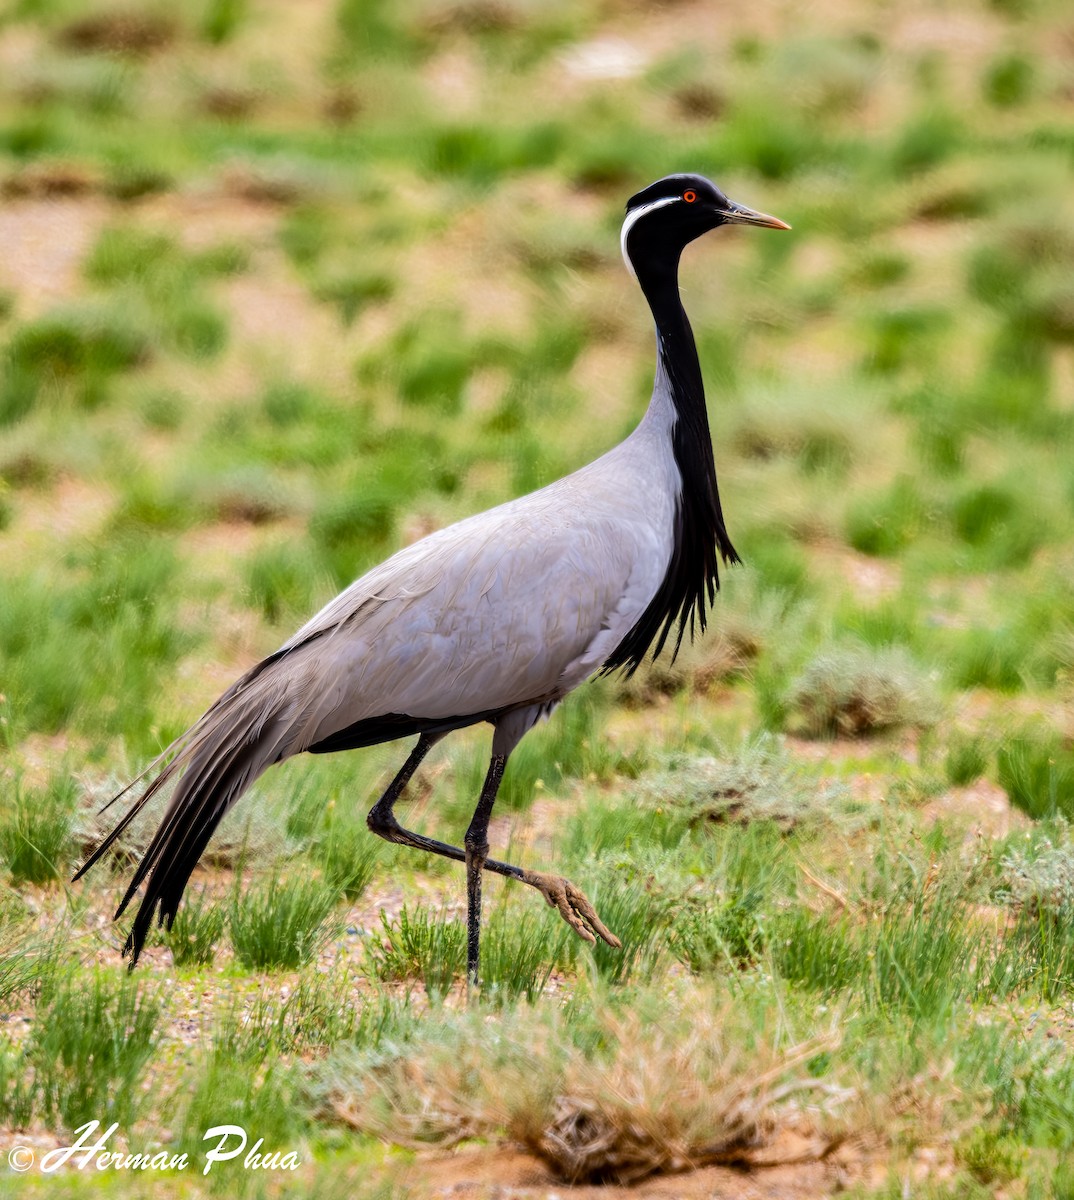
<point x="1041" y="880"/>
<point x="854" y="691"/>
<point x="760" y="782"/>
<point x="281" y="924"/>
<point x="35" y="831"/>
<point x="251" y="495"/>
<point x="646" y="1095"/>
<point x="195" y="931"/>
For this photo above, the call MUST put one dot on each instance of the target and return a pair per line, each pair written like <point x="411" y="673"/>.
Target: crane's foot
<point x="572" y="906"/>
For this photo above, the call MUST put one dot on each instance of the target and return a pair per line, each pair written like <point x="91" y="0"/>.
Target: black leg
<point x="381" y="819"/>
<point x="477" y="852"/>
<point x="560" y="893"/>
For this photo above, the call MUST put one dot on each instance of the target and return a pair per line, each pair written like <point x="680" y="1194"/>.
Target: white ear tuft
<point x="632" y="219"/>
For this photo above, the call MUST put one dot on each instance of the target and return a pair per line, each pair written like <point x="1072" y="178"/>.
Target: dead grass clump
<point x="49" y="181"/>
<point x="1042" y="879"/>
<point x="665" y="1104"/>
<point x="760" y="782"/>
<point x="855" y="691"/>
<point x="690" y="1090"/>
<point x="725" y="654"/>
<point x="119" y="32"/>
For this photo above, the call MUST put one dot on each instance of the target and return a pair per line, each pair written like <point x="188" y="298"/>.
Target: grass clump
<point x="996" y="521"/>
<point x="729" y="935"/>
<point x="70" y="354"/>
<point x="885" y="523"/>
<point x="281" y="924"/>
<point x="280" y="579"/>
<point x="917" y="958"/>
<point x="1037" y="772"/>
<point x="418" y="945"/>
<point x="633" y="905"/>
<point x="348" y="855"/>
<point x="195" y="931"/>
<point x="92" y="1038"/>
<point x="855" y="691"/>
<point x="519" y="952"/>
<point x="760" y="782"/>
<point x="966" y="759"/>
<point x="35" y="831"/>
<point x="634" y="1098"/>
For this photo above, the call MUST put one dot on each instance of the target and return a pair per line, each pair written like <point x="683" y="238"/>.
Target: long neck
<point x="678" y="403"/>
<point x="678" y="369"/>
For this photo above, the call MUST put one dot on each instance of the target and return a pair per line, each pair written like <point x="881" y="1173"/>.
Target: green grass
<point x="35" y="831"/>
<point x="1037" y="772"/>
<point x="281" y="924"/>
<point x="417" y="945"/>
<point x="197" y="928"/>
<point x="90" y="1046"/>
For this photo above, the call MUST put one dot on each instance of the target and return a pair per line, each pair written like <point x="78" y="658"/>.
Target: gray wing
<point x="513" y="606"/>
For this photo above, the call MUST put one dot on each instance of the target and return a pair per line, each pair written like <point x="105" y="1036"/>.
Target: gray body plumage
<point x="511" y="608"/>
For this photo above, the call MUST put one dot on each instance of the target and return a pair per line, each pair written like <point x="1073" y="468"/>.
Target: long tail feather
<point x="213" y="763"/>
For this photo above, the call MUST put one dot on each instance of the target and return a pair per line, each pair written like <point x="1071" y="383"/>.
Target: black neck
<point x="692" y="576"/>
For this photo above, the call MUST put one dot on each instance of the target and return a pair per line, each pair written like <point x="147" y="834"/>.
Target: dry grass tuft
<point x="690" y="1090"/>
<point x="856" y="691"/>
<point x="50" y="180"/>
<point x="760" y="781"/>
<point x="669" y="1100"/>
<point x="122" y="32"/>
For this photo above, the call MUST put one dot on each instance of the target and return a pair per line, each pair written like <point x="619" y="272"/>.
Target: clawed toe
<point x="573" y="906"/>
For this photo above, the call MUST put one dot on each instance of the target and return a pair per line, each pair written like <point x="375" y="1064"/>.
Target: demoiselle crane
<point x="494" y="619"/>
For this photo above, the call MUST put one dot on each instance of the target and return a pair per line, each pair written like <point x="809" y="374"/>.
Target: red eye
<point x="689" y="197"/>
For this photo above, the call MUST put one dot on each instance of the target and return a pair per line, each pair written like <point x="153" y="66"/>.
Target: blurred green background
<point x="285" y="286"/>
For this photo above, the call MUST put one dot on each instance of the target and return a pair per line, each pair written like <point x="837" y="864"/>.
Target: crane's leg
<point x="477" y="853"/>
<point x="570" y="901"/>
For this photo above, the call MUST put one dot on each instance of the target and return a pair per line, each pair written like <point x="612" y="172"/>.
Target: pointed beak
<point x="739" y="214"/>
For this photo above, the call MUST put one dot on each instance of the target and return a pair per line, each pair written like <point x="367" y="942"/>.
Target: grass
<point x="417" y="945"/>
<point x="35" y="832"/>
<point x="90" y="1047"/>
<point x="281" y="924"/>
<point x="197" y="928"/>
<point x="282" y="293"/>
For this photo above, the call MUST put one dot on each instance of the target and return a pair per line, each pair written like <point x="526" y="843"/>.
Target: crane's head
<point x="667" y="215"/>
